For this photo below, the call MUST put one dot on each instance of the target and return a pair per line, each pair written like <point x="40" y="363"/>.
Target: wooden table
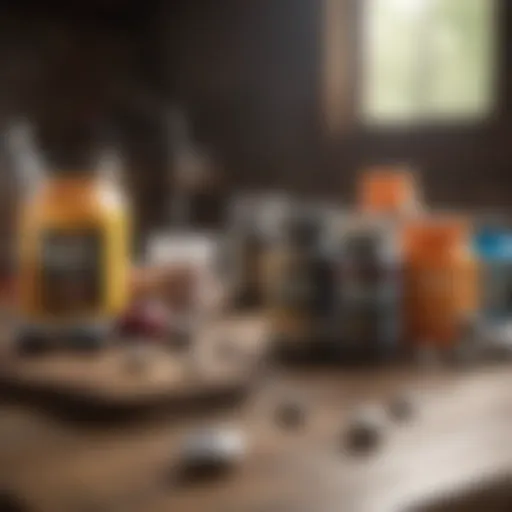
<point x="462" y="433"/>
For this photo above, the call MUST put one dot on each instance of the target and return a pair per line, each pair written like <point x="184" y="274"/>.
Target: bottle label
<point x="71" y="271"/>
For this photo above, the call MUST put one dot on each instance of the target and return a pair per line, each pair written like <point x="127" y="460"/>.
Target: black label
<point x="71" y="271"/>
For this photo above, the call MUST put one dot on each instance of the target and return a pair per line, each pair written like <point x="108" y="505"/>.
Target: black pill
<point x="364" y="433"/>
<point x="401" y="407"/>
<point x="291" y="414"/>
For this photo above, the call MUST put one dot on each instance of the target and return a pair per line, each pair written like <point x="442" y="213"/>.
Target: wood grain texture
<point x="460" y="435"/>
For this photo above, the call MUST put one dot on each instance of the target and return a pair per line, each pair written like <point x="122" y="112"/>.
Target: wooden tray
<point x="220" y="365"/>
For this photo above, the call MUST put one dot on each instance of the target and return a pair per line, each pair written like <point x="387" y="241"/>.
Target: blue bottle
<point x="493" y="246"/>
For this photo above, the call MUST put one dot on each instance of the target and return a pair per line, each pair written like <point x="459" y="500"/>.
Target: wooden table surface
<point x="461" y="434"/>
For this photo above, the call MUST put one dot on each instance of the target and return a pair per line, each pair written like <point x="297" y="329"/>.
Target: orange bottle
<point x="441" y="280"/>
<point x="387" y="190"/>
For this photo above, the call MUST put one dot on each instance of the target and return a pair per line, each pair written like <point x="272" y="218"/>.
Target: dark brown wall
<point x="84" y="73"/>
<point x="253" y="70"/>
<point x="249" y="72"/>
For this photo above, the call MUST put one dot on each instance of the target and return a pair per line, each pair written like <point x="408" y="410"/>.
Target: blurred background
<point x="294" y="94"/>
<point x="239" y="131"/>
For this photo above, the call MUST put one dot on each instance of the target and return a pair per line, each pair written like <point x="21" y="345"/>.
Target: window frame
<point x="342" y="101"/>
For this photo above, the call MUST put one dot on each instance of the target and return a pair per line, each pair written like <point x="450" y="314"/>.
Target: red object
<point x="148" y="318"/>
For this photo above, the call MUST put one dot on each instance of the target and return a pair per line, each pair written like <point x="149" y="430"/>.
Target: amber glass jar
<point x="73" y="253"/>
<point x="441" y="280"/>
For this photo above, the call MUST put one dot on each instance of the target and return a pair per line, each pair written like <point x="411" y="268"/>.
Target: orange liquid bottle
<point x="441" y="280"/>
<point x="73" y="258"/>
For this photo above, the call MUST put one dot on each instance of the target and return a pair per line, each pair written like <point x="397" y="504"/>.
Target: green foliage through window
<point x="428" y="60"/>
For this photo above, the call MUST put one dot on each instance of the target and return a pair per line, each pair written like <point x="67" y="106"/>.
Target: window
<point x="427" y="61"/>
